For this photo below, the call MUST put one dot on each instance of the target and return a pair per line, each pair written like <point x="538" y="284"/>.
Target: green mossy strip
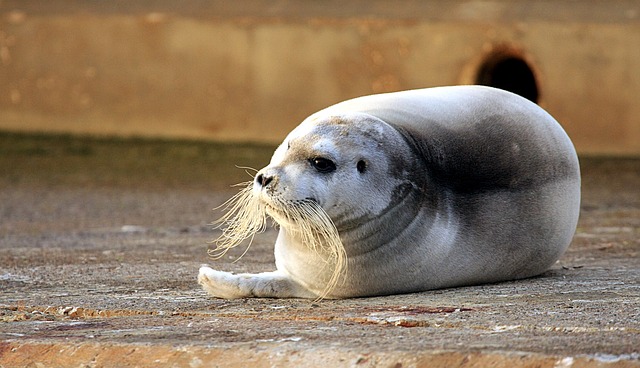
<point x="52" y="160"/>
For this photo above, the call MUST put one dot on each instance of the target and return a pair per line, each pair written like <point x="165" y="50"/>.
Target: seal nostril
<point x="263" y="180"/>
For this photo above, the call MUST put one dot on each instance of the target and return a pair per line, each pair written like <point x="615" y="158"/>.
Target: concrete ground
<point x="101" y="240"/>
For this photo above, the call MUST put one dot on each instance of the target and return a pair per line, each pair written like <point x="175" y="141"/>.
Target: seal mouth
<point x="287" y="212"/>
<point x="277" y="214"/>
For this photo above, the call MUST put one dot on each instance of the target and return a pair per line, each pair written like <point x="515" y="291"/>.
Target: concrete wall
<point x="252" y="70"/>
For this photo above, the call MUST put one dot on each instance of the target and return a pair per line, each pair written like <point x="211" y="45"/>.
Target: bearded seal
<point x="406" y="192"/>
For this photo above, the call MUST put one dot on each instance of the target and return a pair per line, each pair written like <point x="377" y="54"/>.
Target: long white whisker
<point x="248" y="170"/>
<point x="246" y="216"/>
<point x="319" y="233"/>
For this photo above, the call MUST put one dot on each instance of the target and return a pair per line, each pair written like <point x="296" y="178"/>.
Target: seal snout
<point x="267" y="178"/>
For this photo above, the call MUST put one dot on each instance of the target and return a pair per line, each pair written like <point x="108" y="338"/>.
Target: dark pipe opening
<point x="509" y="73"/>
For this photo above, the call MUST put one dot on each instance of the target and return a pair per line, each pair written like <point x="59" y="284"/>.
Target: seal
<point x="406" y="192"/>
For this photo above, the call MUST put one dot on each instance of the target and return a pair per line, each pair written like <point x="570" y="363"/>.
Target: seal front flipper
<point x="274" y="284"/>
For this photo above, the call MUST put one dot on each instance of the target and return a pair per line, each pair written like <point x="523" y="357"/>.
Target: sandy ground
<point x="101" y="240"/>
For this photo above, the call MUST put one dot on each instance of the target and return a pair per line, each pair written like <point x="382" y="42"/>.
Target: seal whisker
<point x="230" y="202"/>
<point x="319" y="233"/>
<point x="306" y="220"/>
<point x="245" y="216"/>
<point x="247" y="170"/>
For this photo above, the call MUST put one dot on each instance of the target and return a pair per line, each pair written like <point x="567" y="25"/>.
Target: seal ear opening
<point x="361" y="166"/>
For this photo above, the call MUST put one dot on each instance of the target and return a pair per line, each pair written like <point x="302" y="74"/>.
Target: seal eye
<point x="323" y="165"/>
<point x="361" y="166"/>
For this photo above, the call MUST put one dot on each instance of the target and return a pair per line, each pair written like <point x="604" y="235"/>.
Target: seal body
<point x="427" y="189"/>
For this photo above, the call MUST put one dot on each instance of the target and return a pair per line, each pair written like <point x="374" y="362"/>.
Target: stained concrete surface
<point x="101" y="240"/>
